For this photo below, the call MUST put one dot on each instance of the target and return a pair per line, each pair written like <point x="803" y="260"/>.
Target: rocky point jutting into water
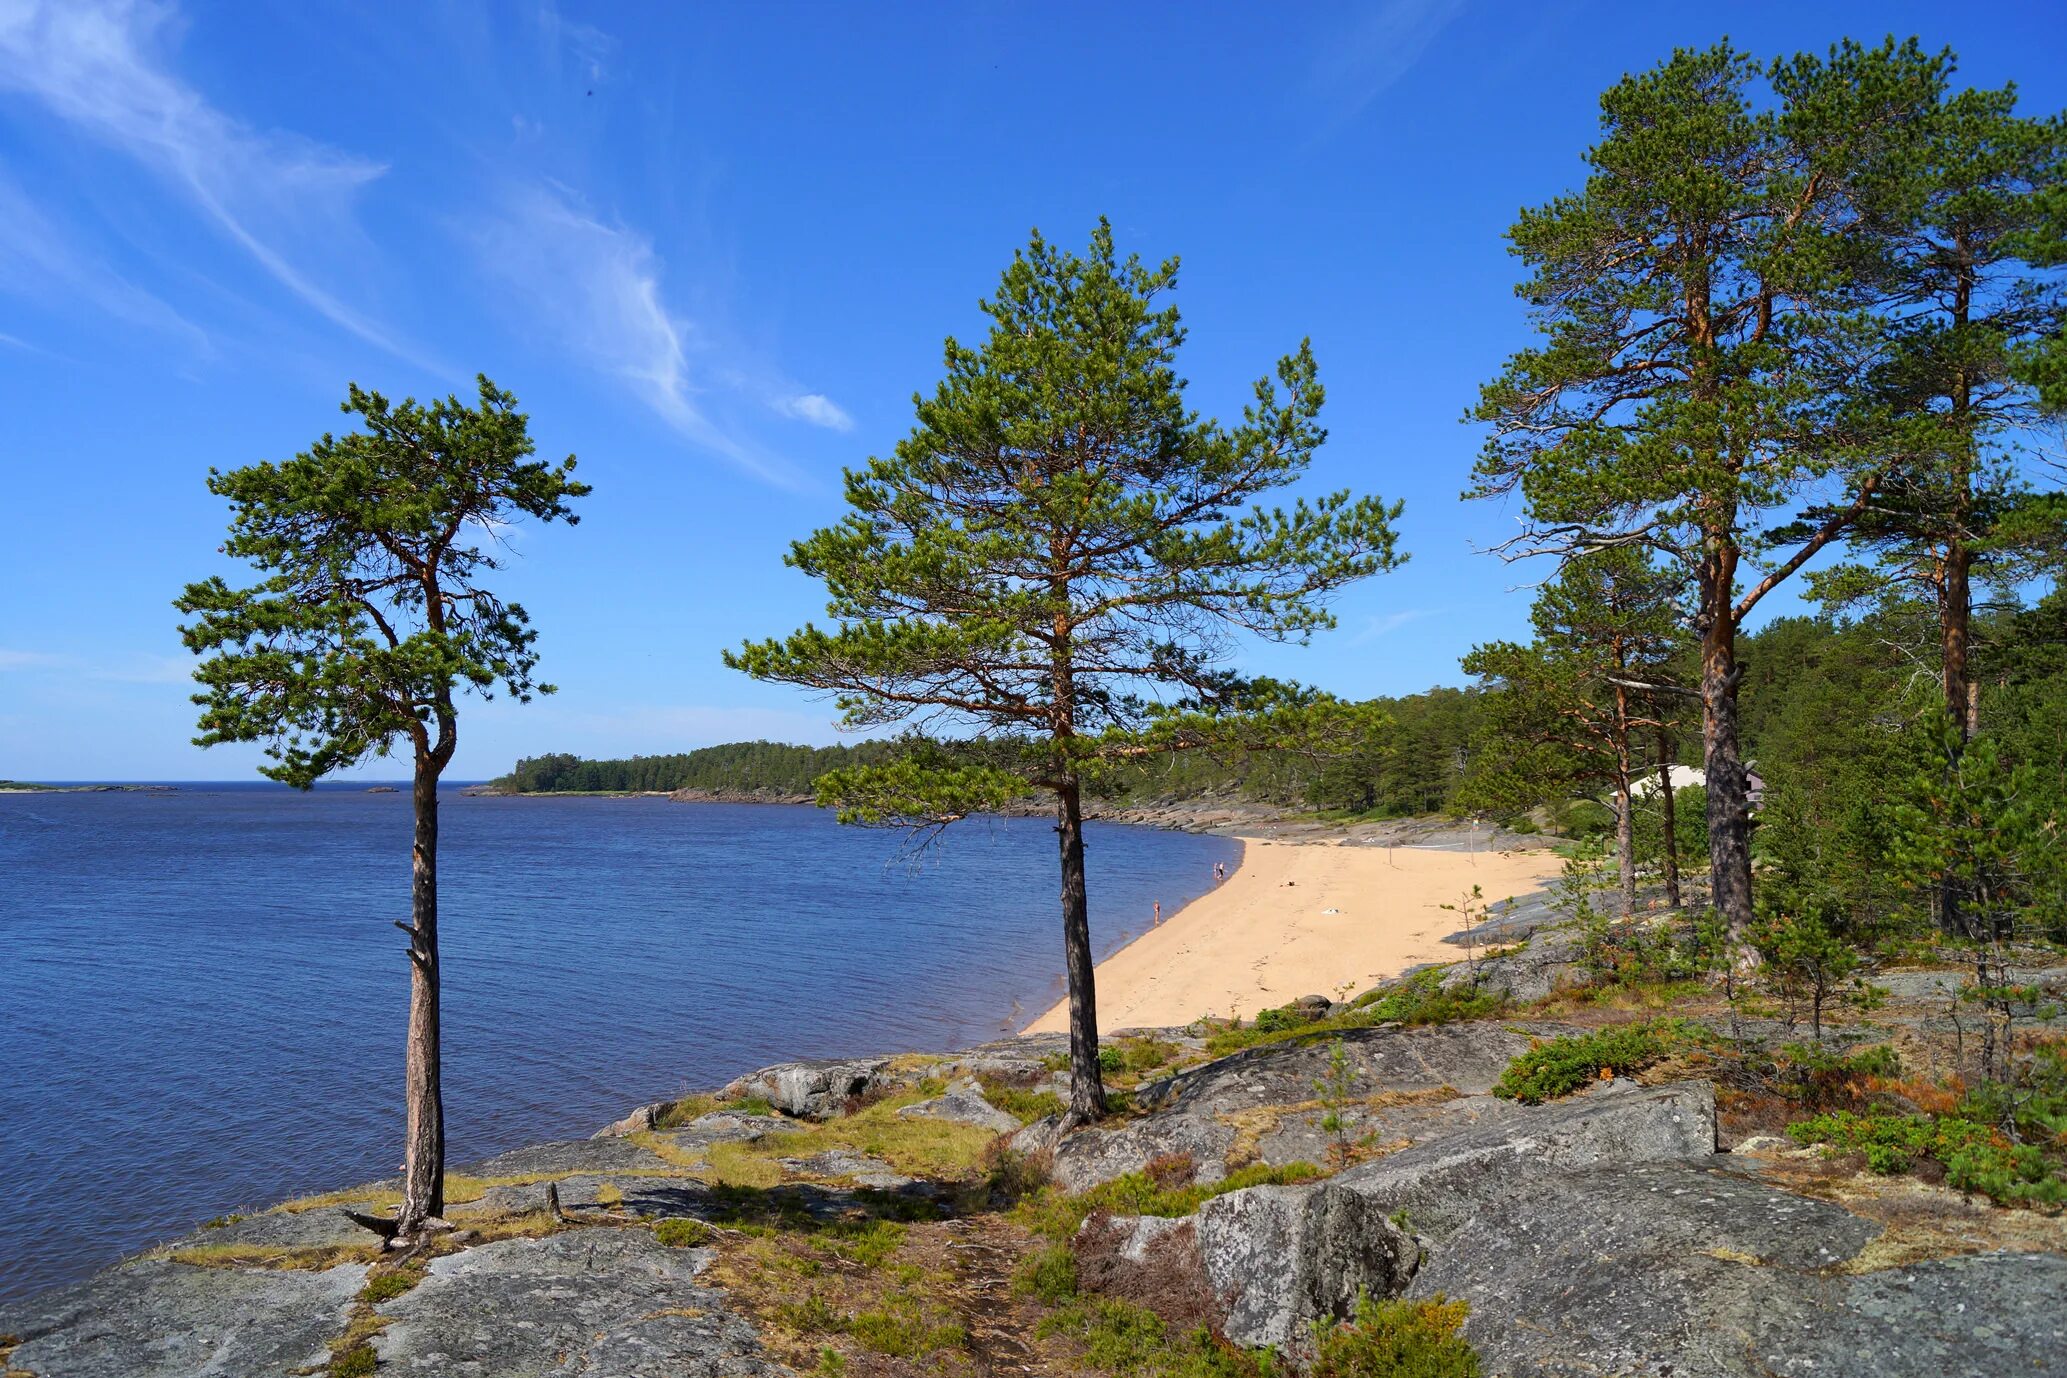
<point x="924" y="1213"/>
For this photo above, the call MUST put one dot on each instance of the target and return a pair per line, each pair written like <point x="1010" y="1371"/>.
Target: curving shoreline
<point x="1307" y="916"/>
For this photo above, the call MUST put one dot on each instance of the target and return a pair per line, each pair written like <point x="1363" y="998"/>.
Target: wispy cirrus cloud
<point x="818" y="409"/>
<point x="99" y="65"/>
<point x="1381" y="47"/>
<point x="134" y="667"/>
<point x="1388" y="623"/>
<point x="599" y="288"/>
<point x="42" y="262"/>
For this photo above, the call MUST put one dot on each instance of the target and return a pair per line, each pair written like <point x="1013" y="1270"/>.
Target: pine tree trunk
<point x="1671" y="820"/>
<point x="1955" y="589"/>
<point x="1625" y="821"/>
<point x="1086" y="1084"/>
<point x="1729" y="808"/>
<point x="423" y="1167"/>
<point x="1625" y="845"/>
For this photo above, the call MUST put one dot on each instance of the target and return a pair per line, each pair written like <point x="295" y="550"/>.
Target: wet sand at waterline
<point x="1300" y="918"/>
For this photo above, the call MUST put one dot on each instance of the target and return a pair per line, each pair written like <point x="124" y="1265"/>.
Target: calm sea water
<point x="204" y="1001"/>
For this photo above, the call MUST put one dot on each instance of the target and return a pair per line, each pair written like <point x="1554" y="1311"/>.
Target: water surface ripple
<point x="204" y="1000"/>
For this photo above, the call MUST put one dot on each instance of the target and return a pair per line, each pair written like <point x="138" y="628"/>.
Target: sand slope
<point x="1266" y="936"/>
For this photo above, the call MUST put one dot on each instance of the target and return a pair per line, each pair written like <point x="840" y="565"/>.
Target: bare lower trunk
<point x="1729" y="808"/>
<point x="1625" y="822"/>
<point x="1670" y="820"/>
<point x="423" y="1167"/>
<point x="1625" y="845"/>
<point x="1962" y="701"/>
<point x="1086" y="1085"/>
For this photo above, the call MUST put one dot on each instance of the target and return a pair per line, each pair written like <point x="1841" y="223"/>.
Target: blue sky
<point x="714" y="250"/>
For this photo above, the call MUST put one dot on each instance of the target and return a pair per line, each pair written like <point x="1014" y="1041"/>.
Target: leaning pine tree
<point x="370" y="619"/>
<point x="1057" y="553"/>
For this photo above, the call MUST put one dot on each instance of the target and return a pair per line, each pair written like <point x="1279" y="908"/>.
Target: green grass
<point x="1418" y="1000"/>
<point x="1049" y="1274"/>
<point x="1563" y="1065"/>
<point x="1396" y="1339"/>
<point x="680" y="1232"/>
<point x="1056" y="1216"/>
<point x="1131" y="1341"/>
<point x="387" y="1286"/>
<point x="1021" y="1103"/>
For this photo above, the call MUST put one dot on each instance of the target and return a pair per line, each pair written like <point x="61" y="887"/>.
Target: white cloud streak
<point x="597" y="287"/>
<point x="95" y="64"/>
<point x="37" y="261"/>
<point x="1360" y="66"/>
<point x="818" y="409"/>
<point x="1389" y="623"/>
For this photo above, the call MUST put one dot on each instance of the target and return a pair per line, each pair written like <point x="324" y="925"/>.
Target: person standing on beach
<point x="1159" y="914"/>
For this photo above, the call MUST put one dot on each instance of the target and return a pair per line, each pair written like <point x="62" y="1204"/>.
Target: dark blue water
<point x="204" y="1000"/>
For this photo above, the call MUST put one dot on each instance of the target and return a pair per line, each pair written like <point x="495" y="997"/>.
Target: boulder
<point x="640" y="1121"/>
<point x="814" y="1090"/>
<point x="1090" y="1156"/>
<point x="158" y="1319"/>
<point x="1262" y="1264"/>
<point x="1547" y="962"/>
<point x="963" y="1103"/>
<point x="1443" y="1183"/>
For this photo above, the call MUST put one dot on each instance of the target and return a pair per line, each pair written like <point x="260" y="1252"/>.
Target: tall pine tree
<point x="1059" y="547"/>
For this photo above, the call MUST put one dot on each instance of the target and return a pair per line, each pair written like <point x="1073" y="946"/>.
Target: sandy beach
<point x="1300" y="918"/>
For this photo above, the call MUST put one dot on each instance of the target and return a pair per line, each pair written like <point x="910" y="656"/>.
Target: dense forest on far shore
<point x="1823" y="706"/>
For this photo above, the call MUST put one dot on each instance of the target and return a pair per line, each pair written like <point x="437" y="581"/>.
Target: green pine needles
<point x="1056" y="559"/>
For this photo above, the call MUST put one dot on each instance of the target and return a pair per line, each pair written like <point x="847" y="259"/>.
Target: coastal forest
<point x="1782" y="422"/>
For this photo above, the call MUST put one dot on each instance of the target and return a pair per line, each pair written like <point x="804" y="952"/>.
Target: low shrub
<point x="1132" y="1341"/>
<point x="1056" y="1215"/>
<point x="1563" y="1065"/>
<point x="1021" y="1102"/>
<point x="680" y="1232"/>
<point x="1975" y="1157"/>
<point x="1396" y="1339"/>
<point x="357" y="1362"/>
<point x="1049" y="1274"/>
<point x="387" y="1286"/>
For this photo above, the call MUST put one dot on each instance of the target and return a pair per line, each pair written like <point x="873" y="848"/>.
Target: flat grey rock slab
<point x="1685" y="1268"/>
<point x="1469" y="1057"/>
<point x="310" y="1229"/>
<point x="571" y="1155"/>
<point x="857" y="1168"/>
<point x="727" y="1127"/>
<point x="963" y="1103"/>
<point x="1300" y="1138"/>
<point x="1986" y="1316"/>
<point x="1445" y="1182"/>
<point x="586" y="1303"/>
<point x="157" y="1319"/>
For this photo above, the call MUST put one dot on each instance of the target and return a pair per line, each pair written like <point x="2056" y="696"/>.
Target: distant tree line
<point x="734" y="767"/>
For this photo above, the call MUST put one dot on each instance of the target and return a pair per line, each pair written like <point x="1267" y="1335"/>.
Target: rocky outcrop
<point x="1271" y="1260"/>
<point x="593" y="1301"/>
<point x="963" y="1103"/>
<point x="1547" y="961"/>
<point x="1445" y="1181"/>
<point x="814" y="1090"/>
<point x="155" y="1318"/>
<point x="1275" y="1259"/>
<point x="1261" y="1103"/>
